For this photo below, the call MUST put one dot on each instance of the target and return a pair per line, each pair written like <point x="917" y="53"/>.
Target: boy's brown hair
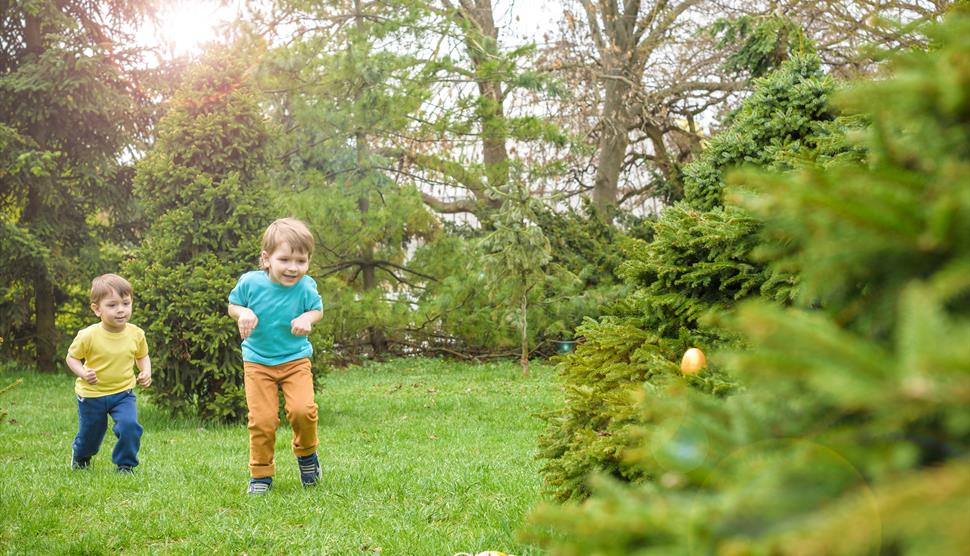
<point x="291" y="231"/>
<point x="106" y="284"/>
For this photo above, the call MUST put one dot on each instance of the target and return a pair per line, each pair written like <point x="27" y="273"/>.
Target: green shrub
<point x="701" y="260"/>
<point x="458" y="311"/>
<point x="851" y="433"/>
<point x="588" y="250"/>
<point x="201" y="188"/>
<point x="786" y="117"/>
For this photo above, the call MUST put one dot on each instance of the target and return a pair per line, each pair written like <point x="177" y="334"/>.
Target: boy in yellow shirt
<point x="103" y="357"/>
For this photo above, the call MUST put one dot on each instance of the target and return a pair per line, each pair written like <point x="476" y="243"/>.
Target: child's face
<point x="284" y="265"/>
<point x="114" y="311"/>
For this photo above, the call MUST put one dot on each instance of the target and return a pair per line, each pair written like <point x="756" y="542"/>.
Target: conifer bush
<point x="586" y="249"/>
<point x="787" y="118"/>
<point x="580" y="280"/>
<point x="700" y="261"/>
<point x="201" y="188"/>
<point x="850" y="433"/>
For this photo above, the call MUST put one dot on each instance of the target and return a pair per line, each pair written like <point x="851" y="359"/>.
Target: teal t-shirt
<point x="275" y="305"/>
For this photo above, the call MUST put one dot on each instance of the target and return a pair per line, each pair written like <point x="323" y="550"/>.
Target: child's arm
<point x="80" y="370"/>
<point x="144" y="378"/>
<point x="301" y="325"/>
<point x="245" y="319"/>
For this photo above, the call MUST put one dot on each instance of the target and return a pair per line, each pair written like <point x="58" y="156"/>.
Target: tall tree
<point x="476" y="21"/>
<point x="69" y="100"/>
<point x="648" y="75"/>
<point x="641" y="68"/>
<point x="344" y="88"/>
<point x="469" y="140"/>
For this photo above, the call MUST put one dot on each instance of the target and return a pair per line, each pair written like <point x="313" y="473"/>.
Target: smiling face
<point x="114" y="310"/>
<point x="284" y="265"/>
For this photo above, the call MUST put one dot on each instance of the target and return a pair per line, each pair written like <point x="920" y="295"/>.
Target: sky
<point x="186" y="25"/>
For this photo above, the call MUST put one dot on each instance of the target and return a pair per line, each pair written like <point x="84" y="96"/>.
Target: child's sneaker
<point x="310" y="471"/>
<point x="79" y="463"/>
<point x="125" y="470"/>
<point x="259" y="487"/>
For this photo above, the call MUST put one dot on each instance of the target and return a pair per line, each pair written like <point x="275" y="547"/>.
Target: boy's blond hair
<point x="106" y="284"/>
<point x="291" y="231"/>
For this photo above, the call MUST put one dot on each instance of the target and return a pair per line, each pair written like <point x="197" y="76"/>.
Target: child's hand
<point x="144" y="379"/>
<point x="247" y="322"/>
<point x="301" y="325"/>
<point x="88" y="375"/>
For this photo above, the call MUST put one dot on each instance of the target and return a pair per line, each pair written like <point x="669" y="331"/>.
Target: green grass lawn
<point x="419" y="457"/>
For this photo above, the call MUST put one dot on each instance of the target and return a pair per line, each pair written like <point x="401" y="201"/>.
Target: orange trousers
<point x="262" y="385"/>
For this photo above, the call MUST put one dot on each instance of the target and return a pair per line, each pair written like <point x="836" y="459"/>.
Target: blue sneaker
<point x="310" y="471"/>
<point x="259" y="487"/>
<point x="79" y="463"/>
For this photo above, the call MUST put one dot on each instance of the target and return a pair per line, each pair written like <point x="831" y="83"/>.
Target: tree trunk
<point x="495" y="154"/>
<point x="378" y="340"/>
<point x="525" y="334"/>
<point x="375" y="334"/>
<point x="612" y="149"/>
<point x="45" y="332"/>
<point x="45" y="336"/>
<point x="619" y="75"/>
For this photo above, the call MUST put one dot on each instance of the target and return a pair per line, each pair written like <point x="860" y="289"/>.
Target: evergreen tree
<point x="203" y="188"/>
<point x="70" y="101"/>
<point x="344" y="97"/>
<point x="700" y="260"/>
<point x="587" y="249"/>
<point x="851" y="434"/>
<point x="518" y="253"/>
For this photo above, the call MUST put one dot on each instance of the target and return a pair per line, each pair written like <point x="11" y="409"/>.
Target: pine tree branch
<point x="708" y="86"/>
<point x="457" y="206"/>
<point x="383" y="263"/>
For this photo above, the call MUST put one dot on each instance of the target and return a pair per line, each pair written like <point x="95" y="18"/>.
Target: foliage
<point x="787" y="117"/>
<point x="465" y="304"/>
<point x="202" y="187"/>
<point x="591" y="252"/>
<point x="467" y="312"/>
<point x="701" y="260"/>
<point x="763" y="43"/>
<point x="851" y="434"/>
<point x="587" y="248"/>
<point x="70" y="102"/>
<point x="456" y="313"/>
<point x="343" y="96"/>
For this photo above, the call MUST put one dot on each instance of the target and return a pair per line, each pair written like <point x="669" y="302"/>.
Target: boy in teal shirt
<point x="275" y="308"/>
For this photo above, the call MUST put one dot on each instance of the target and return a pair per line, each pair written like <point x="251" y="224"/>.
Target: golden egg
<point x="693" y="361"/>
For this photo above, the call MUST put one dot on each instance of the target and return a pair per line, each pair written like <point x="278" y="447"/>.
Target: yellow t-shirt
<point x="111" y="355"/>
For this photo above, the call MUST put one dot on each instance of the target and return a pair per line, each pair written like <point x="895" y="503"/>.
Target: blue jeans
<point x="92" y="417"/>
